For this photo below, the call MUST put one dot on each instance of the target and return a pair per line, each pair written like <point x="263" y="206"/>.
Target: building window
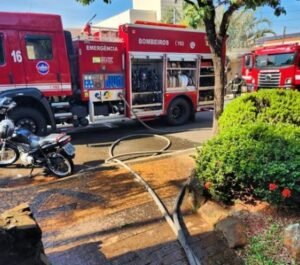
<point x="39" y="47"/>
<point x="2" y="60"/>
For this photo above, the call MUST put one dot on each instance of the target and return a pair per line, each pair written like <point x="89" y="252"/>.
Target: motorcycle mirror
<point x="12" y="105"/>
<point x="7" y="103"/>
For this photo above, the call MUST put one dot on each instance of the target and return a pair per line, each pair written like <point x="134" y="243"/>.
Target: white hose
<point x="174" y="222"/>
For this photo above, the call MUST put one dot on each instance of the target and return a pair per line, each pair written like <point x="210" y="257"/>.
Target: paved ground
<point x="105" y="217"/>
<point x="92" y="145"/>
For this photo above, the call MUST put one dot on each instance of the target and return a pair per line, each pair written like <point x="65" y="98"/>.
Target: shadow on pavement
<point x="99" y="136"/>
<point x="208" y="247"/>
<point x="90" y="254"/>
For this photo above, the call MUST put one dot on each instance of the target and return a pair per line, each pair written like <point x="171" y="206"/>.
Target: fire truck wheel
<point x="179" y="112"/>
<point x="31" y="119"/>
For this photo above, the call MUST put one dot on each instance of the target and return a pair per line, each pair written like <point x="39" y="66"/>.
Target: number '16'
<point x="17" y="56"/>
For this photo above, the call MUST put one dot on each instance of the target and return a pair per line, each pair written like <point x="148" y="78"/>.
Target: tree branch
<point x="201" y="3"/>
<point x="209" y="22"/>
<point x="226" y="19"/>
<point x="220" y="3"/>
<point x="192" y="3"/>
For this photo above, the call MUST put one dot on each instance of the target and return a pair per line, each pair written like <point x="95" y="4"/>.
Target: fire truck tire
<point x="179" y="112"/>
<point x="31" y="119"/>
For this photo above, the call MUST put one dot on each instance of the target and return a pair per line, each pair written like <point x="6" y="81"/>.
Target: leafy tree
<point x="191" y="17"/>
<point x="87" y="2"/>
<point x="217" y="35"/>
<point x="170" y="14"/>
<point x="245" y="29"/>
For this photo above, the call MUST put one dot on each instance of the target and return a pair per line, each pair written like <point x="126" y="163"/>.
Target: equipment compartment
<point x="181" y="74"/>
<point x="147" y="83"/>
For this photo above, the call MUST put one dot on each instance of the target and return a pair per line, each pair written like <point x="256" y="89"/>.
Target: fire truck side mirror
<point x="248" y="61"/>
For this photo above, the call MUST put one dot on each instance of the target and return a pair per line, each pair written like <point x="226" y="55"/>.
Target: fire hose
<point x="172" y="220"/>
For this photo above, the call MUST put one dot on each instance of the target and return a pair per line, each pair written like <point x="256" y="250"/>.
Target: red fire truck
<point x="160" y="70"/>
<point x="272" y="66"/>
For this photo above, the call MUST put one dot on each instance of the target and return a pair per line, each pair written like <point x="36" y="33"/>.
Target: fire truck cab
<point x="276" y="66"/>
<point x="143" y="70"/>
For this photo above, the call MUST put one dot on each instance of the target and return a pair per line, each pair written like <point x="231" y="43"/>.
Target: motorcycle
<point x="54" y="152"/>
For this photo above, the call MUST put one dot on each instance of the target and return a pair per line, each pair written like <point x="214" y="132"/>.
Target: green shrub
<point x="252" y="161"/>
<point x="271" y="106"/>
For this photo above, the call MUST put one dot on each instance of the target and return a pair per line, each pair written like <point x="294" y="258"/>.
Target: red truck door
<point x="5" y="67"/>
<point x="11" y="67"/>
<point x="247" y="67"/>
<point x="41" y="62"/>
<point x="297" y="73"/>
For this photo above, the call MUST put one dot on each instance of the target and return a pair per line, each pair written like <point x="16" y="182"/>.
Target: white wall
<point x="167" y="5"/>
<point x="147" y="10"/>
<point x="145" y="15"/>
<point x="147" y="4"/>
<point x="160" y="6"/>
<point x="129" y="16"/>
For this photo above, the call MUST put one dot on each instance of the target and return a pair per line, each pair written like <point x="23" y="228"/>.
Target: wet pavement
<point x="92" y="145"/>
<point x="105" y="217"/>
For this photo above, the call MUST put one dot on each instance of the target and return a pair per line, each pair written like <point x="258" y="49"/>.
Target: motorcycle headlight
<point x="6" y="128"/>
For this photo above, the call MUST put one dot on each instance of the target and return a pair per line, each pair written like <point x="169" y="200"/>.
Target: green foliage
<point x="217" y="34"/>
<point x="87" y="2"/>
<point x="263" y="249"/>
<point x="172" y="14"/>
<point x="244" y="29"/>
<point x="271" y="106"/>
<point x="242" y="161"/>
<point x="192" y="18"/>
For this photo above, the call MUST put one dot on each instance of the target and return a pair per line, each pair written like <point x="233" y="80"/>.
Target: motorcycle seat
<point x="50" y="139"/>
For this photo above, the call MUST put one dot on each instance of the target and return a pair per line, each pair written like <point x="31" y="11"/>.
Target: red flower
<point x="207" y="185"/>
<point x="286" y="193"/>
<point x="272" y="186"/>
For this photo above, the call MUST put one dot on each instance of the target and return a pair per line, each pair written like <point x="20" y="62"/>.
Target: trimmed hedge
<point x="254" y="161"/>
<point x="271" y="106"/>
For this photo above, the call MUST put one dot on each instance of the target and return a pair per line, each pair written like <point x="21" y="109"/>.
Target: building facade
<point x="146" y="10"/>
<point x="159" y="6"/>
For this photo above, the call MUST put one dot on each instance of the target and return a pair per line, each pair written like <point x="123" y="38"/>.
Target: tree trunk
<point x="218" y="90"/>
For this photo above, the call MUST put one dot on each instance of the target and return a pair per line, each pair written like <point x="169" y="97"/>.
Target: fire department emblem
<point x="192" y="45"/>
<point x="42" y="68"/>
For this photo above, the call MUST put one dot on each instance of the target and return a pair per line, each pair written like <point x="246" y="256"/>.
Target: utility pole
<point x="283" y="35"/>
<point x="174" y="15"/>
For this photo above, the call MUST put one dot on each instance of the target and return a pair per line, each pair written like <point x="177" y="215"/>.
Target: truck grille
<point x="269" y="79"/>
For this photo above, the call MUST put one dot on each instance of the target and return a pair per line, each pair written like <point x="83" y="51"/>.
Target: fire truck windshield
<point x="274" y="60"/>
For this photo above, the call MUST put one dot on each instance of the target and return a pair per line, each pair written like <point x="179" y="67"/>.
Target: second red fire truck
<point x="160" y="70"/>
<point x="276" y="66"/>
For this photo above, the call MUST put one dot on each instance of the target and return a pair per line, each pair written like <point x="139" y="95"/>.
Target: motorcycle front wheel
<point x="60" y="165"/>
<point x="9" y="154"/>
